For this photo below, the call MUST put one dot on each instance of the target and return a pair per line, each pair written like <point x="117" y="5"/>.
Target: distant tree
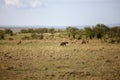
<point x="25" y="38"/>
<point x="45" y="30"/>
<point x="60" y="30"/>
<point x="24" y="31"/>
<point x="114" y="34"/>
<point x="100" y="30"/>
<point x="30" y="30"/>
<point x="72" y="31"/>
<point x="9" y="31"/>
<point x="41" y="36"/>
<point x="89" y="32"/>
<point x="52" y="30"/>
<point x="2" y="36"/>
<point x="115" y="31"/>
<point x="41" y="30"/>
<point x="80" y="33"/>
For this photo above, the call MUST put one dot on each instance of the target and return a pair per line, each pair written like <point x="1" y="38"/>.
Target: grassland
<point x="47" y="60"/>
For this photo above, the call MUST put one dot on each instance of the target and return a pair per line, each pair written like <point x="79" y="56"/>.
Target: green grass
<point x="47" y="60"/>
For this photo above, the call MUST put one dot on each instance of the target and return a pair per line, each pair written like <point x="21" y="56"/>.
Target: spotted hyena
<point x="63" y="43"/>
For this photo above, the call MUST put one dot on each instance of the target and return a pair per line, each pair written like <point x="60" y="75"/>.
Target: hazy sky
<point x="59" y="12"/>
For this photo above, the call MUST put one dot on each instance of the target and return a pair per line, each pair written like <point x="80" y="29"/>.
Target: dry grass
<point x="47" y="60"/>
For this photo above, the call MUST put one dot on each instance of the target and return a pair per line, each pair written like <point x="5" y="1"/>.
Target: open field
<point x="47" y="60"/>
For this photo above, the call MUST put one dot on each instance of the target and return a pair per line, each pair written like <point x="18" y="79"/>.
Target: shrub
<point x="11" y="39"/>
<point x="2" y="35"/>
<point x="25" y="38"/>
<point x="72" y="31"/>
<point x="41" y="36"/>
<point x="36" y="36"/>
<point x="9" y="31"/>
<point x="113" y="36"/>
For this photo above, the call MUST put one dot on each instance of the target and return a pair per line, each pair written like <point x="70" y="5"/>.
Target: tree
<point x="41" y="36"/>
<point x="2" y="36"/>
<point x="115" y="31"/>
<point x="114" y="34"/>
<point x="89" y="32"/>
<point x="9" y="31"/>
<point x="80" y="33"/>
<point x="24" y="31"/>
<point x="45" y="30"/>
<point x="100" y="30"/>
<point x="72" y="31"/>
<point x="52" y="30"/>
<point x="41" y="30"/>
<point x="30" y="30"/>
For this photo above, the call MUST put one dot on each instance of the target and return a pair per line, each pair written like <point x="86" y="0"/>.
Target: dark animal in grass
<point x="10" y="68"/>
<point x="19" y="42"/>
<point x="63" y="43"/>
<point x="84" y="42"/>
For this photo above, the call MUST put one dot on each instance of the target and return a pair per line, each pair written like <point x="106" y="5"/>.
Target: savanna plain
<point x="47" y="60"/>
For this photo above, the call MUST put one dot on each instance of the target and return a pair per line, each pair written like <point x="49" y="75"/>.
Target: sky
<point x="59" y="12"/>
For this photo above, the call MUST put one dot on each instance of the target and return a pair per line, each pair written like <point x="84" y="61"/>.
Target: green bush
<point x="37" y="36"/>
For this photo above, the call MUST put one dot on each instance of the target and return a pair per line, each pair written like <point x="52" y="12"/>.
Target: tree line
<point x="38" y="30"/>
<point x="100" y="31"/>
